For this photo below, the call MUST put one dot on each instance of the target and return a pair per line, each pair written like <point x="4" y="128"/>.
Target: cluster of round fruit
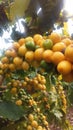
<point x="29" y="53"/>
<point x="34" y="121"/>
<point x="29" y="84"/>
<point x="53" y="48"/>
<point x="33" y="118"/>
<point x="62" y="95"/>
<point x="62" y="55"/>
<point x="37" y="83"/>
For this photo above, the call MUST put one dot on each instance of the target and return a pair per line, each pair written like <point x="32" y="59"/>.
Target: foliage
<point x="34" y="22"/>
<point x="69" y="90"/>
<point x="50" y="11"/>
<point x="32" y="88"/>
<point x="10" y="111"/>
<point x="49" y="101"/>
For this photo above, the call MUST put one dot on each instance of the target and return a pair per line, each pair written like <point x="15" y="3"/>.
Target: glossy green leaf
<point x="11" y="111"/>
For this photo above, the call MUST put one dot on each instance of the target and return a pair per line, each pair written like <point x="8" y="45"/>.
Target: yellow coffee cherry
<point x="29" y="127"/>
<point x="34" y="124"/>
<point x="29" y="56"/>
<point x="31" y="117"/>
<point x="39" y="128"/>
<point x="25" y="65"/>
<point x="19" y="102"/>
<point x="45" y="123"/>
<point x="14" y="90"/>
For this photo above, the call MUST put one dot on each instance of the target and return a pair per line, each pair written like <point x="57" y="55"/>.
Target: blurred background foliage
<point x="40" y="15"/>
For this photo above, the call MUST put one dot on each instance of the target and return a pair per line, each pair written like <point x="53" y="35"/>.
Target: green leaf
<point x="47" y="83"/>
<point x="53" y="79"/>
<point x="32" y="74"/>
<point x="53" y="98"/>
<point x="70" y="93"/>
<point x="7" y="95"/>
<point x="70" y="97"/>
<point x="11" y="111"/>
<point x="71" y="85"/>
<point x="57" y="114"/>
